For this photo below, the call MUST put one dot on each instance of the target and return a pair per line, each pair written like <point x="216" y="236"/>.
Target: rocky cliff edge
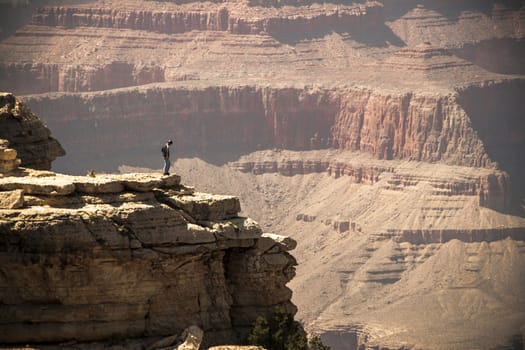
<point x="103" y="257"/>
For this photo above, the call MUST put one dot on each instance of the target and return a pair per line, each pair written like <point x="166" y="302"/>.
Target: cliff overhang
<point x="132" y="255"/>
<point x="117" y="256"/>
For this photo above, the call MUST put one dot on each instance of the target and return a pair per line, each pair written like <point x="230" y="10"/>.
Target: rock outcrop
<point x="102" y="257"/>
<point x="27" y="135"/>
<point x="113" y="256"/>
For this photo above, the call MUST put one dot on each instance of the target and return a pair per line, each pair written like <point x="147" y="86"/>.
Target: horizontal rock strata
<point x="389" y="126"/>
<point x="491" y="186"/>
<point x="442" y="236"/>
<point x="132" y="255"/>
<point x="219" y="19"/>
<point x="425" y="57"/>
<point x="8" y="157"/>
<point x="26" y="134"/>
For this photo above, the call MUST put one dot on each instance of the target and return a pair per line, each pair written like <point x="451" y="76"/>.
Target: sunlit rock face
<point x="125" y="256"/>
<point x="108" y="257"/>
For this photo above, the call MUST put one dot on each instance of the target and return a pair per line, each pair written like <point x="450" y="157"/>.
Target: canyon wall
<point x="461" y="129"/>
<point x="389" y="126"/>
<point x="497" y="117"/>
<point x="492" y="187"/>
<point x="73" y="77"/>
<point x="220" y="19"/>
<point x="28" y="76"/>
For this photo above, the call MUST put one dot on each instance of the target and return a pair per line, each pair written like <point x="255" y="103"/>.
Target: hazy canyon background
<point x="387" y="137"/>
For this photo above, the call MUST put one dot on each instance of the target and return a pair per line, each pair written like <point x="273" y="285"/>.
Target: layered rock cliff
<point x="218" y="21"/>
<point x="26" y="134"/>
<point x="491" y="186"/>
<point x="105" y="257"/>
<point x="388" y="126"/>
<point x="331" y="43"/>
<point x="219" y="17"/>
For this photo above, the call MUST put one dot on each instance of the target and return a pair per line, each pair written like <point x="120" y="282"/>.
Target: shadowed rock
<point x="27" y="135"/>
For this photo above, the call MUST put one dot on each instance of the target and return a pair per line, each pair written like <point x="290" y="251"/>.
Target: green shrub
<point x="260" y="334"/>
<point x="282" y="332"/>
<point x="316" y="344"/>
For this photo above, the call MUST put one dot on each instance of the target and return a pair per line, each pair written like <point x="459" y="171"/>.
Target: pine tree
<point x="282" y="332"/>
<point x="260" y="334"/>
<point x="316" y="344"/>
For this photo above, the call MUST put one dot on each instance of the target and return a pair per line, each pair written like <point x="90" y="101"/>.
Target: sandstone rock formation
<point x="26" y="134"/>
<point x="135" y="255"/>
<point x="8" y="157"/>
<point x="106" y="257"/>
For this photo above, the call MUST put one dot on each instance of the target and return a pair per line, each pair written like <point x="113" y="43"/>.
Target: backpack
<point x="164" y="151"/>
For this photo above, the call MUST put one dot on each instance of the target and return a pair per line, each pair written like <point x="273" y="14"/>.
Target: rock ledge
<point x="131" y="255"/>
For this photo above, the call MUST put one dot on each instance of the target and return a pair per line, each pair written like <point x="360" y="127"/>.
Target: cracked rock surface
<point x="133" y="255"/>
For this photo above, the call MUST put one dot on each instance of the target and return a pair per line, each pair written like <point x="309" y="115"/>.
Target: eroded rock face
<point x="8" y="157"/>
<point x="26" y="134"/>
<point x="389" y="126"/>
<point x="97" y="258"/>
<point x="491" y="186"/>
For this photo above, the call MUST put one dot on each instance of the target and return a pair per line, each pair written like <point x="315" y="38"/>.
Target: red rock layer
<point x="388" y="126"/>
<point x="59" y="77"/>
<point x="221" y="19"/>
<point x="492" y="189"/>
<point x="408" y="126"/>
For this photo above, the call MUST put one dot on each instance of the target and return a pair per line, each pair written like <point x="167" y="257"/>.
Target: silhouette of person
<point x="166" y="155"/>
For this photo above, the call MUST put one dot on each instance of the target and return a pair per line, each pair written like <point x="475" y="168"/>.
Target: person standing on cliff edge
<point x="166" y="154"/>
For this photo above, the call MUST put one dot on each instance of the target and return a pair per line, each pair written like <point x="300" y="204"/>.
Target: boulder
<point x="51" y="186"/>
<point x="8" y="157"/>
<point x="27" y="135"/>
<point x="97" y="184"/>
<point x="12" y="199"/>
<point x="192" y="338"/>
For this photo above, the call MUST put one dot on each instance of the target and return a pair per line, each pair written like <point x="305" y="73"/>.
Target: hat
<point x="170" y="142"/>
